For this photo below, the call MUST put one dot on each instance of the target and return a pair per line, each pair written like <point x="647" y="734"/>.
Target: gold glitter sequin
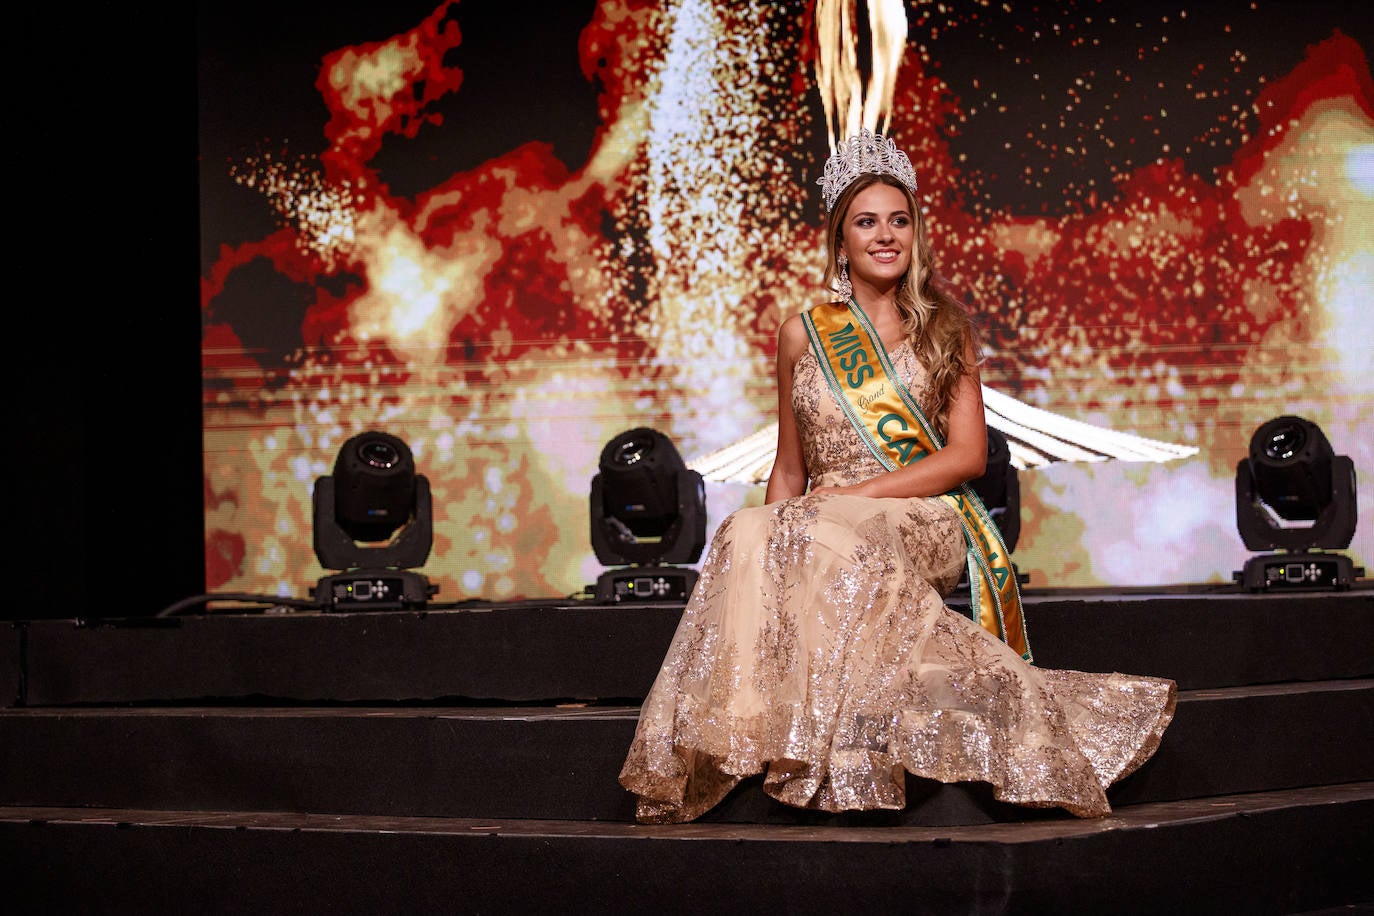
<point x="817" y="649"/>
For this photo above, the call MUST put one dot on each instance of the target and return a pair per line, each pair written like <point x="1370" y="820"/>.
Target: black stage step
<point x="546" y="652"/>
<point x="541" y="762"/>
<point x="1286" y="852"/>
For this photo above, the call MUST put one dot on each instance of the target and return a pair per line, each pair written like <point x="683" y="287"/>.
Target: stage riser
<point x="540" y="653"/>
<point x="511" y="654"/>
<point x="1289" y="860"/>
<point x="461" y="714"/>
<point x="563" y="764"/>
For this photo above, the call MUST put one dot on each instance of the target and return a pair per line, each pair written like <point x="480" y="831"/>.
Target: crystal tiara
<point x="863" y="153"/>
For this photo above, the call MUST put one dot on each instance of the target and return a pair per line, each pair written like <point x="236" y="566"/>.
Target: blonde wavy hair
<point x="937" y="325"/>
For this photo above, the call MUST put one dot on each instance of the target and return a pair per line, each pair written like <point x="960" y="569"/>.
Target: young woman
<point x="816" y="647"/>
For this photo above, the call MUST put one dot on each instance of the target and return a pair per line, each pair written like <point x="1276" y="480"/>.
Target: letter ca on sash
<point x="904" y="446"/>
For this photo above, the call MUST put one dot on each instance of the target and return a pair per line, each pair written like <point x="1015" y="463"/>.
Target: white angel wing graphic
<point x="1035" y="438"/>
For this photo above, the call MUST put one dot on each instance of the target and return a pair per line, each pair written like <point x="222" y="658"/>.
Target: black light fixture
<point x="1000" y="489"/>
<point x="1294" y="494"/>
<point x="373" y="522"/>
<point x="648" y="512"/>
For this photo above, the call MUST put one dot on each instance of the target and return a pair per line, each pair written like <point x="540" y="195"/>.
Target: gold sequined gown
<point x="817" y="649"/>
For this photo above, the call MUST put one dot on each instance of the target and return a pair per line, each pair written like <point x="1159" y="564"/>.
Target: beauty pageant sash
<point x="890" y="423"/>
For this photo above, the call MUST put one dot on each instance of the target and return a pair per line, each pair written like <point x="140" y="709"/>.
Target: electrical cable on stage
<point x="274" y="601"/>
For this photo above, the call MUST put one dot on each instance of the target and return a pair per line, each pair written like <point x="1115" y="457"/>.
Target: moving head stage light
<point x="1295" y="494"/>
<point x="1000" y="489"/>
<point x="647" y="510"/>
<point x="373" y="494"/>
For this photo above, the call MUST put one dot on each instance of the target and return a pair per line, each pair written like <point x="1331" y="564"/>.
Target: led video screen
<point x="506" y="234"/>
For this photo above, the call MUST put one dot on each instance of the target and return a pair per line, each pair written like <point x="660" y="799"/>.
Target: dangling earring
<point x="846" y="289"/>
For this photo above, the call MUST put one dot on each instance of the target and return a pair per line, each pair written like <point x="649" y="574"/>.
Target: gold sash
<point x="895" y="430"/>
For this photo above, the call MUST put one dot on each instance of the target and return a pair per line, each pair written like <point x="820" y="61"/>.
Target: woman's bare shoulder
<point x="792" y="338"/>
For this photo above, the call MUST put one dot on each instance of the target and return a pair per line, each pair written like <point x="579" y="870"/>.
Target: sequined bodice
<point x="834" y="453"/>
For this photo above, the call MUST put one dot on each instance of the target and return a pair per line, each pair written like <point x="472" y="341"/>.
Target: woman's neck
<point x="876" y="302"/>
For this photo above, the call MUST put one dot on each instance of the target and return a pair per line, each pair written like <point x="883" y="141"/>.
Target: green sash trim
<point x="890" y="423"/>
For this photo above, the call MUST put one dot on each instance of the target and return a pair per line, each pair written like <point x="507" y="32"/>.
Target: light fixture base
<point x="1309" y="571"/>
<point x="645" y="583"/>
<point x="374" y="590"/>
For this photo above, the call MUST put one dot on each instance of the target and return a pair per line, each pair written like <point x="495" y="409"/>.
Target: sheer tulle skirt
<point x="817" y="650"/>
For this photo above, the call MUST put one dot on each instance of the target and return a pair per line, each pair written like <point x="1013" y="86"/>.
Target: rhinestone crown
<point x="863" y="153"/>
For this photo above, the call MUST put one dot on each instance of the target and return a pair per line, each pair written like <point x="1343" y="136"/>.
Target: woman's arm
<point x="788" y="477"/>
<point x="964" y="457"/>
